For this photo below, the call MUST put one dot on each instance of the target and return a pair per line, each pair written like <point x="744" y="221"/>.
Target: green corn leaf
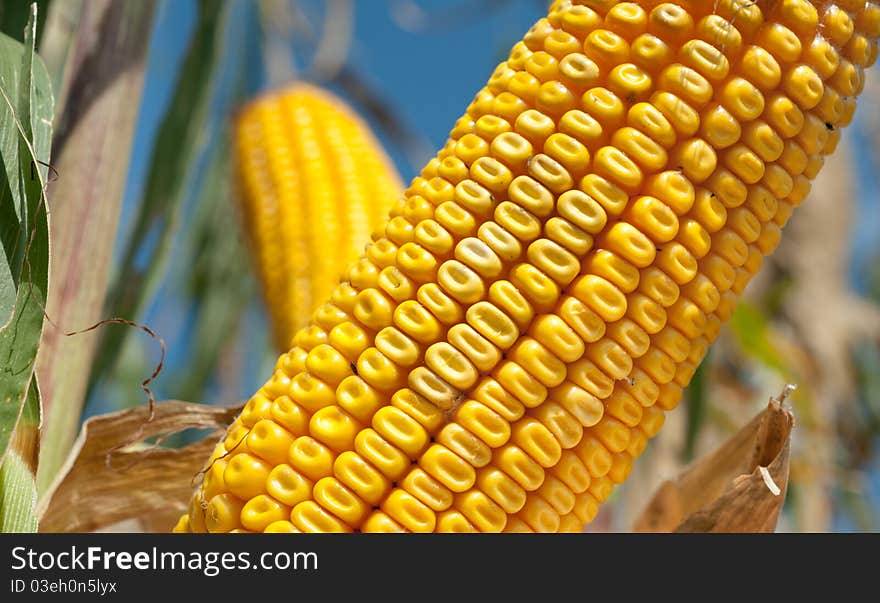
<point x="25" y="133"/>
<point x="18" y="472"/>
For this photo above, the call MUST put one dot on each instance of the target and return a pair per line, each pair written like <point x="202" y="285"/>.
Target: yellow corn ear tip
<point x="307" y="163"/>
<point x="537" y="301"/>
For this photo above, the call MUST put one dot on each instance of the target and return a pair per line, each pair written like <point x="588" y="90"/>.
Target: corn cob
<point x="512" y="338"/>
<point x="304" y="159"/>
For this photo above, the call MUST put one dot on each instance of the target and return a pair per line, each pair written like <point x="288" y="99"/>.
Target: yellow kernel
<point x="535" y="37"/>
<point x="612" y="163"/>
<point x="569" y="152"/>
<point x="427" y="489"/>
<point x="245" y="475"/>
<point x="215" y="482"/>
<point x="561" y="43"/>
<point x="498" y="399"/>
<point x="485" y="423"/>
<point x="534" y="126"/>
<point x="568" y="235"/>
<point x="720" y="128"/>
<point x="448" y="468"/>
<point x="610" y="357"/>
<point x="719" y="270"/>
<point x="512" y="149"/>
<point x="620" y="468"/>
<point x="630" y="243"/>
<point x="269" y="441"/>
<point x="550" y="173"/>
<point x="580" y="20"/>
<point x="670" y="396"/>
<point x="630" y="336"/>
<point x="654" y="218"/>
<point x="518" y="221"/>
<point x="670" y="22"/>
<point x="481" y="511"/>
<point x="388" y="459"/>
<point x="513" y="461"/>
<point x="539" y="289"/>
<point x="471" y="196"/>
<point x="539" y="515"/>
<point x="731" y="247"/>
<point x="705" y="59"/>
<point x="684" y="118"/>
<point x="554" y="260"/>
<point x="686" y="83"/>
<point x="258" y="407"/>
<point x="650" y="53"/>
<point x="592" y="452"/>
<point x="673" y="189"/>
<point x="611" y="197"/>
<point x="585" y="407"/>
<point x="349" y="339"/>
<point x="460" y="282"/>
<point x="396" y="346"/>
<point x="646" y="312"/>
<point x="501" y="488"/>
<point x="409" y="511"/>
<point x="538" y="361"/>
<point x="626" y="18"/>
<point x="428" y="415"/>
<point x="480" y="351"/>
<point x="507" y="297"/>
<point x="606" y="48"/>
<point x="361" y="477"/>
<point x="613" y="268"/>
<point x="780" y="41"/>
<point x="759" y="66"/>
<point x="578" y="71"/>
<point x="582" y="127"/>
<point x="564" y="427"/>
<point x="261" y="511"/>
<point x="687" y="317"/>
<point x="381" y="522"/>
<point x="613" y="435"/>
<point x="531" y="195"/>
<point x="585" y="374"/>
<point x="803" y="86"/>
<point x="465" y="444"/>
<point x="572" y="472"/>
<point x="677" y="262"/>
<point x="601" y="296"/>
<point x="587" y="324"/>
<point x="223" y="513"/>
<point x="554" y="98"/>
<point x="500" y="241"/>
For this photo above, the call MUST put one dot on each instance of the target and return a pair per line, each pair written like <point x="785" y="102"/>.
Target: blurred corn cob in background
<point x="313" y="183"/>
<point x="510" y="340"/>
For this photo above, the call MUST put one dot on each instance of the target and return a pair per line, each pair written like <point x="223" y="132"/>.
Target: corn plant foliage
<point x="18" y="472"/>
<point x="180" y="143"/>
<point x="25" y="134"/>
<point x="93" y="143"/>
<point x="26" y="109"/>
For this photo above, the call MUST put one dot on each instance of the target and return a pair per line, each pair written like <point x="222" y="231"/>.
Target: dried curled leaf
<point x="740" y="487"/>
<point x="111" y="475"/>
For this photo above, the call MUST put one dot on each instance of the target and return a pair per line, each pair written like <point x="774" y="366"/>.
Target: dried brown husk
<point x="740" y="487"/>
<point x="113" y="477"/>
